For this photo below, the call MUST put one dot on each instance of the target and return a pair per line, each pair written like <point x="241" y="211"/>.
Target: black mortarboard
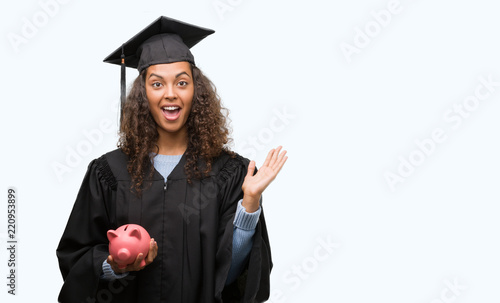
<point x="165" y="40"/>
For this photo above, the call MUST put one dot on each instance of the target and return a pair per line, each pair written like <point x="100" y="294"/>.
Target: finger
<point x="137" y="263"/>
<point x="275" y="156"/>
<point x="154" y="253"/>
<point x="268" y="158"/>
<point x="280" y="161"/>
<point x="113" y="264"/>
<point x="153" y="249"/>
<point x="150" y="252"/>
<point x="119" y="270"/>
<point x="251" y="168"/>
<point x="280" y="164"/>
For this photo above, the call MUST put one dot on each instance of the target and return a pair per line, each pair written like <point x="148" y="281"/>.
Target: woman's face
<point x="170" y="90"/>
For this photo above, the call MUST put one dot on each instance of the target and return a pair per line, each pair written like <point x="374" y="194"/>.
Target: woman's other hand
<point x="254" y="185"/>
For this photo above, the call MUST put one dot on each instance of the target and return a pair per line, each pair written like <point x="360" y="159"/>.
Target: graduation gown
<point x="192" y="224"/>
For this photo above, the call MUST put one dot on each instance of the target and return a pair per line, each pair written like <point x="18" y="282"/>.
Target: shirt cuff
<point x="244" y="220"/>
<point x="109" y="274"/>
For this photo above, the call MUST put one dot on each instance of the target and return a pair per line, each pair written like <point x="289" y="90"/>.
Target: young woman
<point x="172" y="174"/>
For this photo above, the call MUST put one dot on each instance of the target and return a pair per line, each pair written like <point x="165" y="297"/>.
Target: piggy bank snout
<point x="123" y="254"/>
<point x="126" y="242"/>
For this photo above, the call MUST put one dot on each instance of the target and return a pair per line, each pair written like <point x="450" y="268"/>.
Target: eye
<point x="182" y="83"/>
<point x="156" y="85"/>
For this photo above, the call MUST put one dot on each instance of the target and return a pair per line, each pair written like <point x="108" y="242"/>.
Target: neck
<point x="172" y="143"/>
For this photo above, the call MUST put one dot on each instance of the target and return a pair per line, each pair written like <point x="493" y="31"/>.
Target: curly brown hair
<point x="207" y="128"/>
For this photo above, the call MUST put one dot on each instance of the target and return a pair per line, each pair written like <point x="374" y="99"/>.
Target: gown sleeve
<point x="84" y="244"/>
<point x="252" y="285"/>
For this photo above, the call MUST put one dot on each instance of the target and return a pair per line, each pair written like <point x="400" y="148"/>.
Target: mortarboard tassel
<point x="123" y="84"/>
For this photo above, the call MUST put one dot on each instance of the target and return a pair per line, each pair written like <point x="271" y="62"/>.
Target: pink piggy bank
<point x="126" y="242"/>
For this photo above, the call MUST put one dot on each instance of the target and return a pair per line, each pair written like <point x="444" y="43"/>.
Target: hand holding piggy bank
<point x="126" y="242"/>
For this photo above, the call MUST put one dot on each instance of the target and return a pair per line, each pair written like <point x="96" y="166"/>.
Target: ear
<point x="112" y="235"/>
<point x="135" y="233"/>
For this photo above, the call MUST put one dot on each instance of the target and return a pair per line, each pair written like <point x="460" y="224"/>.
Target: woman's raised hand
<point x="254" y="185"/>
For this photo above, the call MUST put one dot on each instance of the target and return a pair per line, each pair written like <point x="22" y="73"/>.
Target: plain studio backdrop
<point x="388" y="109"/>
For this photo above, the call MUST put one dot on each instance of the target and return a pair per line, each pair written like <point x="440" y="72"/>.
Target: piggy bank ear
<point x="112" y="235"/>
<point x="135" y="233"/>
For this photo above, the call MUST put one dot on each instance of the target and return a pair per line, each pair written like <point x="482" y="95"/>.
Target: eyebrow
<point x="176" y="76"/>
<point x="182" y="73"/>
<point x="155" y="75"/>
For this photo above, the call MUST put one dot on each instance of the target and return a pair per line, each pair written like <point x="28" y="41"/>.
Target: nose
<point x="170" y="93"/>
<point x="123" y="254"/>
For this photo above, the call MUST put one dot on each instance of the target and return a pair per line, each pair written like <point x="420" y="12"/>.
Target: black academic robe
<point x="192" y="224"/>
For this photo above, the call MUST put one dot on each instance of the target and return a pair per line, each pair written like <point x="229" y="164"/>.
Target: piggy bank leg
<point x="143" y="263"/>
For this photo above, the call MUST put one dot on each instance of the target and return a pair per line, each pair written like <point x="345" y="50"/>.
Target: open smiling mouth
<point x="171" y="112"/>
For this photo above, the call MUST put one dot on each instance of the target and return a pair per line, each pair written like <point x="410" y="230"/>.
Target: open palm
<point x="254" y="185"/>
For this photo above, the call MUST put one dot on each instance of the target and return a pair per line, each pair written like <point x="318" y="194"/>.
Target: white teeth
<point x="170" y="108"/>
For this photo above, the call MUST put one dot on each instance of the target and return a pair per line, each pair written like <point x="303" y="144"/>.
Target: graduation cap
<point x="166" y="40"/>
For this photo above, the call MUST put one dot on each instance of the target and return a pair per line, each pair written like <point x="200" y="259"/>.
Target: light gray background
<point x="346" y="122"/>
